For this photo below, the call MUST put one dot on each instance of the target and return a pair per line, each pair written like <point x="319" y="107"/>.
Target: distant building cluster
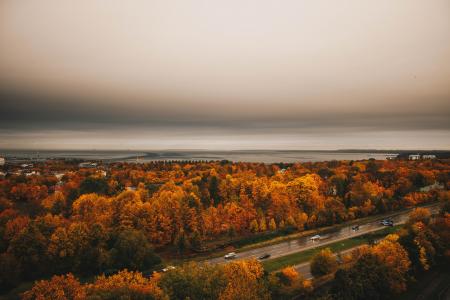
<point x="411" y="156"/>
<point x="424" y="156"/>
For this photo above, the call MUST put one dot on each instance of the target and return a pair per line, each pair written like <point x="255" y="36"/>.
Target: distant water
<point x="264" y="156"/>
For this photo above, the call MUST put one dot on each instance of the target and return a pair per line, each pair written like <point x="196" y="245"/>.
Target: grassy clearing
<point x="304" y="256"/>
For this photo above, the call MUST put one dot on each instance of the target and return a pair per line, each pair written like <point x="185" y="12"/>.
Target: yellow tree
<point x="91" y="208"/>
<point x="287" y="283"/>
<point x="272" y="225"/>
<point x="262" y="224"/>
<point x="61" y="248"/>
<point x="419" y="215"/>
<point x="244" y="281"/>
<point x="55" y="202"/>
<point x="64" y="287"/>
<point x="282" y="205"/>
<point x="126" y="285"/>
<point x="254" y="227"/>
<point x="14" y="226"/>
<point x="305" y="191"/>
<point x="395" y="257"/>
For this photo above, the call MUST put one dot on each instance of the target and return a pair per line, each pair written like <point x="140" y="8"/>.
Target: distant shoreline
<point x="391" y="151"/>
<point x="263" y="156"/>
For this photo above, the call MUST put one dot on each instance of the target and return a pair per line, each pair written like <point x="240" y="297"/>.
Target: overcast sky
<point x="303" y="74"/>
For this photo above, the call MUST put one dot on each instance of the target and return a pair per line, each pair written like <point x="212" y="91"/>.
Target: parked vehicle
<point x="230" y="255"/>
<point x="264" y="256"/>
<point x="355" y="228"/>
<point x="315" y="237"/>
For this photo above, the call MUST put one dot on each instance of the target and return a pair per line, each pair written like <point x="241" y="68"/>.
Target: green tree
<point x="195" y="281"/>
<point x="133" y="251"/>
<point x="9" y="271"/>
<point x="29" y="247"/>
<point x="181" y="242"/>
<point x="367" y="279"/>
<point x="214" y="189"/>
<point x="97" y="185"/>
<point x="323" y="263"/>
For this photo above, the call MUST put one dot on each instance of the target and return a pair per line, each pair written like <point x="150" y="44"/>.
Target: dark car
<point x="355" y="228"/>
<point x="110" y="272"/>
<point x="387" y="223"/>
<point x="264" y="256"/>
<point x="148" y="274"/>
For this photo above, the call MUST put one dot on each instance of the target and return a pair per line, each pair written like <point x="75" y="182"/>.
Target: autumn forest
<point x="124" y="221"/>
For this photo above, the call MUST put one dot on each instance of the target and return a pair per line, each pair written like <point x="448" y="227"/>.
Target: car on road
<point x="230" y="255"/>
<point x="315" y="237"/>
<point x="264" y="256"/>
<point x="168" y="268"/>
<point x="355" y="228"/>
<point x="148" y="273"/>
<point x="387" y="222"/>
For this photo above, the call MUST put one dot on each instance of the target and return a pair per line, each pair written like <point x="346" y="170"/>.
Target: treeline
<point x="84" y="221"/>
<point x="380" y="271"/>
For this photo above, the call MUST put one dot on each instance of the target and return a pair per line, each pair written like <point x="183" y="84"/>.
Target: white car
<point x="230" y="255"/>
<point x="315" y="237"/>
<point x="168" y="268"/>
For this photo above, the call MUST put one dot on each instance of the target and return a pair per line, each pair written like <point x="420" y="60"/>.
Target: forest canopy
<point x="57" y="217"/>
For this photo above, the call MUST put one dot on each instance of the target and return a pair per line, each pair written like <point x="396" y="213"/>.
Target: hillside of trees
<point x="59" y="219"/>
<point x="380" y="271"/>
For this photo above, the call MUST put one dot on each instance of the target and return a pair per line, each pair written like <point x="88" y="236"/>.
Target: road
<point x="304" y="243"/>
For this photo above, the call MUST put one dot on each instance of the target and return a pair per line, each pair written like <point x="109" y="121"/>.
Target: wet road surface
<point x="305" y="243"/>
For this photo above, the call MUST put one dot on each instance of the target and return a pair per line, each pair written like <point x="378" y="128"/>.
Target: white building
<point x="2" y="161"/>
<point x="59" y="176"/>
<point x="102" y="173"/>
<point x="32" y="173"/>
<point x="414" y="156"/>
<point x="428" y="156"/>
<point x="435" y="186"/>
<point x="87" y="165"/>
